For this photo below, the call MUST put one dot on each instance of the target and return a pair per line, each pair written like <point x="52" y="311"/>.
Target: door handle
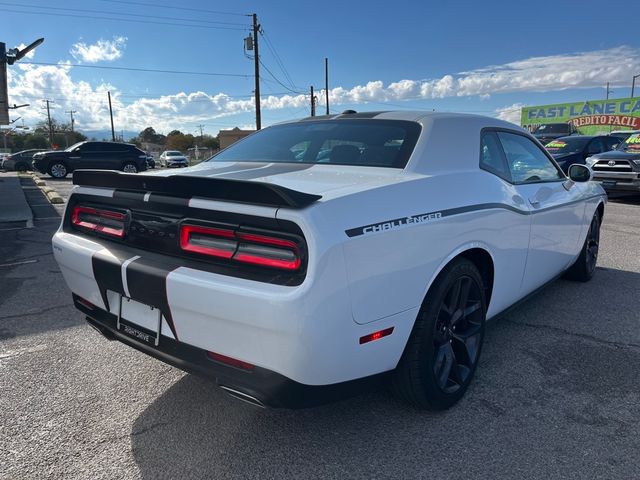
<point x="534" y="202"/>
<point x="73" y="158"/>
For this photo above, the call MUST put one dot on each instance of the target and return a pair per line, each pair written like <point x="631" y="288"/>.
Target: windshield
<point x="631" y="144"/>
<point x="552" y="128"/>
<point x="73" y="147"/>
<point x="566" y="145"/>
<point x="174" y="154"/>
<point x="365" y="142"/>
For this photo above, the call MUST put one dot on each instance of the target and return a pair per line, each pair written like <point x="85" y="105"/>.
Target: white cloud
<point x="29" y="83"/>
<point x="510" y="113"/>
<point x="102" y="50"/>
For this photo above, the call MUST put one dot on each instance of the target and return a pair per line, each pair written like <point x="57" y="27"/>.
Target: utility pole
<point x="113" y="132"/>
<point x="49" y="121"/>
<point x="256" y="61"/>
<point x="71" y="112"/>
<point x="608" y="91"/>
<point x="201" y="132"/>
<point x="633" y="84"/>
<point x="313" y="103"/>
<point x="326" y="82"/>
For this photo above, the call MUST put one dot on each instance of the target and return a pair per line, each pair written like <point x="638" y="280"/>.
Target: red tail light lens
<point x="98" y="220"/>
<point x="241" y="247"/>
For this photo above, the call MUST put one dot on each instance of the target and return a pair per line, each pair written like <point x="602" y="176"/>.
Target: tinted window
<point x="596" y="146"/>
<point x="527" y="163"/>
<point x="89" y="147"/>
<point x="611" y="143"/>
<point x="379" y="143"/>
<point x="566" y="145"/>
<point x="552" y="128"/>
<point x="491" y="156"/>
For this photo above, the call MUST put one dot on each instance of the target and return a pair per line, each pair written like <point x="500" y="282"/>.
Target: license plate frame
<point x="149" y="333"/>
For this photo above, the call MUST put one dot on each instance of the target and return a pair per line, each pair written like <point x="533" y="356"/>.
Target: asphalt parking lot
<point x="557" y="393"/>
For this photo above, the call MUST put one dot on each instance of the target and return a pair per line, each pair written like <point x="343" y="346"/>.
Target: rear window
<point x="364" y="142"/>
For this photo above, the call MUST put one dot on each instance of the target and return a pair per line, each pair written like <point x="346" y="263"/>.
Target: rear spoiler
<point x="242" y="191"/>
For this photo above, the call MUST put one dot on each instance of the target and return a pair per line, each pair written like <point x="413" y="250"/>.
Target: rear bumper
<point x="259" y="386"/>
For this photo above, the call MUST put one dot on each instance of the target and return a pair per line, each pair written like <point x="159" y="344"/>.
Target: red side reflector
<point x="376" y="335"/>
<point x="85" y="303"/>
<point x="231" y="361"/>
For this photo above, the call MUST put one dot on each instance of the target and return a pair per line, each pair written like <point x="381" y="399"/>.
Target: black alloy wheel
<point x="585" y="266"/>
<point x="443" y="350"/>
<point x="458" y="333"/>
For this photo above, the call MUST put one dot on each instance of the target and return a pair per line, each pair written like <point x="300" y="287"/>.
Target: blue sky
<point x="482" y="57"/>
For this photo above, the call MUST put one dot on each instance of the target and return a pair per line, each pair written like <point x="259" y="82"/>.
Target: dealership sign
<point x="621" y="113"/>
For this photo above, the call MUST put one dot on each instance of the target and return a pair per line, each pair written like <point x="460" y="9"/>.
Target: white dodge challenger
<point x="320" y="256"/>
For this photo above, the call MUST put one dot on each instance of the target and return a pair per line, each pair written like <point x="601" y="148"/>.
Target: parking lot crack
<point x="35" y="312"/>
<point x="583" y="336"/>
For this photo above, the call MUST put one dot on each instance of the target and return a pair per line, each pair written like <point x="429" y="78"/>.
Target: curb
<point x="53" y="196"/>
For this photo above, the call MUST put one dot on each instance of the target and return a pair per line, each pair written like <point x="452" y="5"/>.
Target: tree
<point x="208" y="141"/>
<point x="176" y="140"/>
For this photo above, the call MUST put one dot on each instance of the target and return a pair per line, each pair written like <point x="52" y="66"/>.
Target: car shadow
<point x="522" y="409"/>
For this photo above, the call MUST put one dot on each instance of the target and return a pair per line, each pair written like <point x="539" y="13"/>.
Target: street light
<point x="633" y="84"/>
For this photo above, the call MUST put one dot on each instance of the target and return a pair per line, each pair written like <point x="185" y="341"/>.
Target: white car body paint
<point x="406" y="225"/>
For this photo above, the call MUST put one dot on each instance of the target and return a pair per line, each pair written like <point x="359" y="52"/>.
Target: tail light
<point x="97" y="220"/>
<point x="255" y="249"/>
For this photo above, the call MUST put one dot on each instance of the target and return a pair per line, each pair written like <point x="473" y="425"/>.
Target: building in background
<point x="227" y="137"/>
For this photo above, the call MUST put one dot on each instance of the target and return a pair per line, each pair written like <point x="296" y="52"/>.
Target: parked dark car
<point x="151" y="163"/>
<point x="576" y="148"/>
<point x="550" y="131"/>
<point x="20" y="161"/>
<point x="100" y="155"/>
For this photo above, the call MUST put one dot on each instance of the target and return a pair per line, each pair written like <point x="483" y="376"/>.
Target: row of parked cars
<point x="92" y="155"/>
<point x="614" y="159"/>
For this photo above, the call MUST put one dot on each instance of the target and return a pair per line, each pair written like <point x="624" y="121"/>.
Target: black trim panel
<point x="242" y="191"/>
<point x="269" y="388"/>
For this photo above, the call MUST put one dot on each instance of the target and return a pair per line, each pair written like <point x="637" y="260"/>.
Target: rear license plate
<point x="139" y="321"/>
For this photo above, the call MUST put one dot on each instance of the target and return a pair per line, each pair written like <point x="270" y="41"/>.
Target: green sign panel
<point x="589" y="117"/>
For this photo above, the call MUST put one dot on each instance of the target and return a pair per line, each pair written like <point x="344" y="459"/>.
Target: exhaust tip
<point x="245" y="397"/>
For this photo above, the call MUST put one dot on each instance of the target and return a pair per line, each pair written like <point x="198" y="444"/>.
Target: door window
<point x="526" y="161"/>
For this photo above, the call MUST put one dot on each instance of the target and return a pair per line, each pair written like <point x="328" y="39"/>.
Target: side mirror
<point x="579" y="173"/>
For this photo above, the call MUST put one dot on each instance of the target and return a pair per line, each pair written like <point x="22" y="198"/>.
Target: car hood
<point x="617" y="155"/>
<point x="319" y="179"/>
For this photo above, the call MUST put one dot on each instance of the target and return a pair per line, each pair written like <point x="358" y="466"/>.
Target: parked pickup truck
<point x="619" y="169"/>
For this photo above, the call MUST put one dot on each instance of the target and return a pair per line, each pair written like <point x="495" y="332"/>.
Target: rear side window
<point x="364" y="142"/>
<point x="526" y="161"/>
<point x="492" y="157"/>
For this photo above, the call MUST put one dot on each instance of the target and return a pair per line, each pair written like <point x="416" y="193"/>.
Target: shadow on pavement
<point x="539" y="398"/>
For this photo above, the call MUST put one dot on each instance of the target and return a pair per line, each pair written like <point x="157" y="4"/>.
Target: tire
<point x="442" y="353"/>
<point x="130" y="167"/>
<point x="585" y="266"/>
<point x="58" y="170"/>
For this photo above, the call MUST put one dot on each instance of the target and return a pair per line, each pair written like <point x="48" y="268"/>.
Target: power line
<point x="211" y="27"/>
<point x="278" y="59"/>
<point x="133" y="69"/>
<point x="22" y="5"/>
<point x="201" y="10"/>
<point x="277" y="80"/>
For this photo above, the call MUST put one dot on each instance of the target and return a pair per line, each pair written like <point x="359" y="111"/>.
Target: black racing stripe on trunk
<point x="274" y="169"/>
<point x="107" y="271"/>
<point x="127" y="195"/>
<point x="147" y="282"/>
<point x="235" y="167"/>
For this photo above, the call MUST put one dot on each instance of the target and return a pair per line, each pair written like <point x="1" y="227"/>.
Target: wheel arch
<point x="477" y="253"/>
<point x="600" y="209"/>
